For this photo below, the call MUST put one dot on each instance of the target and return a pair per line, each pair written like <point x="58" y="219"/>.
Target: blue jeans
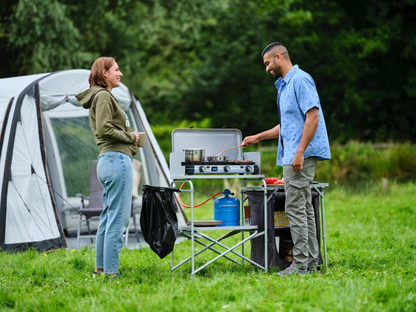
<point x="115" y="172"/>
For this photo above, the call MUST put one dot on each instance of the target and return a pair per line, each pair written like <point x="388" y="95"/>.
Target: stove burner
<point x="220" y="167"/>
<point x="217" y="163"/>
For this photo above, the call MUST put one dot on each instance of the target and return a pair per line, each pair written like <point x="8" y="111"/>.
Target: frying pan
<point x="221" y="158"/>
<point x="218" y="158"/>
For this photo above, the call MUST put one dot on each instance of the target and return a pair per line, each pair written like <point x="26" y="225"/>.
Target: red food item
<point x="270" y="180"/>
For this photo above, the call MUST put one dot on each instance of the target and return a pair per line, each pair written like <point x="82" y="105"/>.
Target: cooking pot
<point x="194" y="154"/>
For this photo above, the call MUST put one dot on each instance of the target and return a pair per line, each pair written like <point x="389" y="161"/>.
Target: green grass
<point x="371" y="240"/>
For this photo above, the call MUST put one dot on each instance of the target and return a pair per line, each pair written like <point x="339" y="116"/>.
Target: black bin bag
<point x="158" y="220"/>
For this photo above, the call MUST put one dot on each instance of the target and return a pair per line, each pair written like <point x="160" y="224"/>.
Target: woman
<point x="117" y="145"/>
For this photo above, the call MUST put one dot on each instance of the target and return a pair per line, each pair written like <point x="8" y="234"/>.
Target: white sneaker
<point x="291" y="270"/>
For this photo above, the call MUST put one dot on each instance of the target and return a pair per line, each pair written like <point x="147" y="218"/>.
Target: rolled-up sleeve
<point x="307" y="95"/>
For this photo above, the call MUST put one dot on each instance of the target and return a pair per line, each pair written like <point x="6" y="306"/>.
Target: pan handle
<point x="227" y="150"/>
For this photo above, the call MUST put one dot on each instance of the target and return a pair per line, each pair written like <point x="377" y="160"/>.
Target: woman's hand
<point x="137" y="138"/>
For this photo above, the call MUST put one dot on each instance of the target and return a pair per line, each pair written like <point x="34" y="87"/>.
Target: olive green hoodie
<point x="109" y="123"/>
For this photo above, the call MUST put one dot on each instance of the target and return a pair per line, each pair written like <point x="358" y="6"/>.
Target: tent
<point x="46" y="148"/>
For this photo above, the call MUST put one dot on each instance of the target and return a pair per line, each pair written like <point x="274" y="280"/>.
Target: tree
<point x="192" y="59"/>
<point x="44" y="38"/>
<point x="360" y="54"/>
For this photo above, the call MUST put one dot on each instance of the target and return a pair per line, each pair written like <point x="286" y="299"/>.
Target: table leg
<point x="266" y="255"/>
<point x="323" y="226"/>
<point x="230" y="249"/>
<point x="206" y="247"/>
<point x="321" y="194"/>
<point x="172" y="261"/>
<point x="243" y="222"/>
<point x="191" y="190"/>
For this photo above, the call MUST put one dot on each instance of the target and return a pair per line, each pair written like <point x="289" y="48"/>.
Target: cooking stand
<point x="195" y="235"/>
<point x="319" y="187"/>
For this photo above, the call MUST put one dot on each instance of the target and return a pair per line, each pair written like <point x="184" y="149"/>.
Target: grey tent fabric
<point x="276" y="203"/>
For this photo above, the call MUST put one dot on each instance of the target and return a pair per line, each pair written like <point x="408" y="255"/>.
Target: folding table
<point x="317" y="186"/>
<point x="196" y="235"/>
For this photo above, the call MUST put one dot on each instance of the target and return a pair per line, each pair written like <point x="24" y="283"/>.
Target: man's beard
<point x="277" y="71"/>
<point x="277" y="75"/>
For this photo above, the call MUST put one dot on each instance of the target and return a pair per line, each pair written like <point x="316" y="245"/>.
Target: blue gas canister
<point x="227" y="209"/>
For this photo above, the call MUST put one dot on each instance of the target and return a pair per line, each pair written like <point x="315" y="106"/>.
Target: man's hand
<point x="309" y="129"/>
<point x="250" y="140"/>
<point x="269" y="134"/>
<point x="297" y="163"/>
<point x="137" y="138"/>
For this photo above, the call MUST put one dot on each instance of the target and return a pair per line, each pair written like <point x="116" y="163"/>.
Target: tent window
<point x="76" y="148"/>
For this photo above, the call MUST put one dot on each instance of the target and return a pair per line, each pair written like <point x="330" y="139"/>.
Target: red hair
<point x="96" y="77"/>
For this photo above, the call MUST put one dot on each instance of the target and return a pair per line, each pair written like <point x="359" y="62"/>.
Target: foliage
<point x="355" y="161"/>
<point x="45" y="37"/>
<point x="366" y="43"/>
<point x="194" y="59"/>
<point x="371" y="248"/>
<point x="358" y="161"/>
<point x="164" y="132"/>
<point x="349" y="162"/>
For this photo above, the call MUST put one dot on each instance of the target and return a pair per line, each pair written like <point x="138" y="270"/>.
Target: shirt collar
<point x="288" y="76"/>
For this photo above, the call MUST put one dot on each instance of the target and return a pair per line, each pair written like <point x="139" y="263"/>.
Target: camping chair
<point x="95" y="206"/>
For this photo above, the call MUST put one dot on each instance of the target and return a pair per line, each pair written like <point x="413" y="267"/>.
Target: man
<point x="303" y="140"/>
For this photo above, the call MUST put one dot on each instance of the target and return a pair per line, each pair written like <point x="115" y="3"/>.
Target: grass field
<point x="371" y="240"/>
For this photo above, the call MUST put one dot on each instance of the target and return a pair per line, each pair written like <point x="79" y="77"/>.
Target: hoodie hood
<point x="85" y="98"/>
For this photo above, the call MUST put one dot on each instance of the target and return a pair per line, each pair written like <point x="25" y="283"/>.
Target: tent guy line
<point x="30" y="213"/>
<point x="34" y="171"/>
<point x="64" y="199"/>
<point x="49" y="186"/>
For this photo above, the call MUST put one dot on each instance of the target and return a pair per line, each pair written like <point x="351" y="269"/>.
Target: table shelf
<point x="282" y="227"/>
<point x="221" y="228"/>
<point x="195" y="232"/>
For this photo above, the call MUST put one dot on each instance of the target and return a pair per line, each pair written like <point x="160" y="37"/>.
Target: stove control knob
<point x="202" y="168"/>
<point x="227" y="168"/>
<point x="249" y="169"/>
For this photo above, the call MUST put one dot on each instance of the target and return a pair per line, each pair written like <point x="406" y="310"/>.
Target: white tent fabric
<point x="46" y="147"/>
<point x="10" y="87"/>
<point x="28" y="194"/>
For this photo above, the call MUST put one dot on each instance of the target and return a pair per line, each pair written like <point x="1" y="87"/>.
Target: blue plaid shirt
<point x="296" y="95"/>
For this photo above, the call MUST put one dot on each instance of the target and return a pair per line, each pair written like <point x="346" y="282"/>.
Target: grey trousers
<point x="300" y="212"/>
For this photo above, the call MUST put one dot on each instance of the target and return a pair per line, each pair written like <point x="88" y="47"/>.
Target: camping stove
<point x="180" y="167"/>
<point x="213" y="141"/>
<point x="220" y="167"/>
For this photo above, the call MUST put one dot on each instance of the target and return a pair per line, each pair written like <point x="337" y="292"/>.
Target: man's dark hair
<point x="269" y="47"/>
